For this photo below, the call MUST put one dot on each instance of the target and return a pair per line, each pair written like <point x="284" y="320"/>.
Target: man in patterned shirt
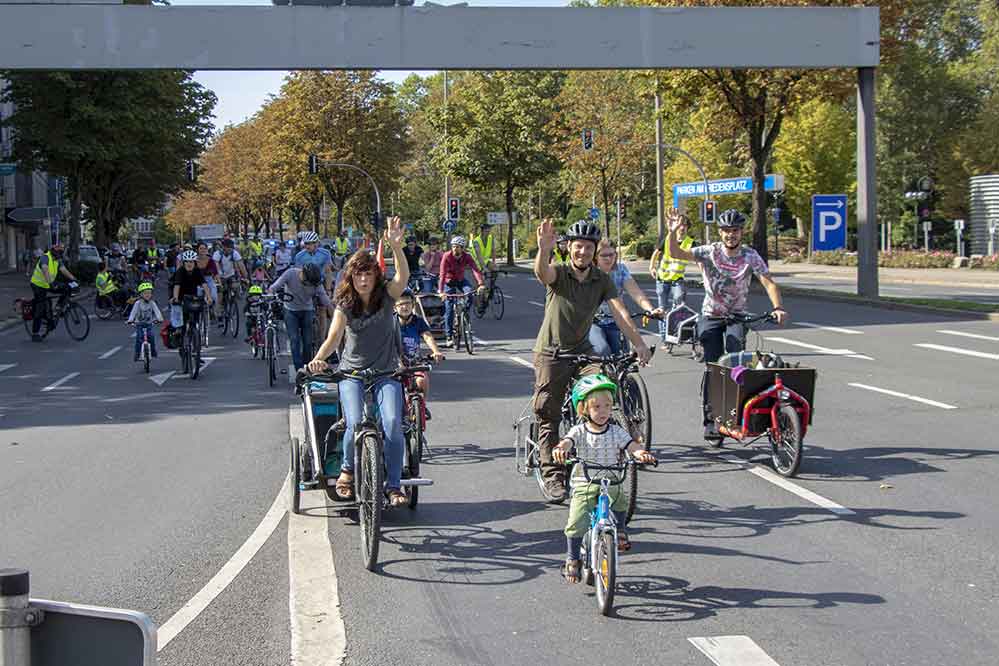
<point x="728" y="268"/>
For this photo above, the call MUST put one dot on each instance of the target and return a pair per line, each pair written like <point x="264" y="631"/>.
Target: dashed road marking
<point x="526" y="364"/>
<point x="53" y="386"/>
<point x="791" y="487"/>
<point x="109" y="353"/>
<point x="6" y="366"/>
<point x="969" y="335"/>
<point x="732" y="651"/>
<point x="480" y="341"/>
<point x="834" y="329"/>
<point x="958" y="350"/>
<point x="540" y="305"/>
<point x="849" y="353"/>
<point x="291" y="373"/>
<point x="907" y="396"/>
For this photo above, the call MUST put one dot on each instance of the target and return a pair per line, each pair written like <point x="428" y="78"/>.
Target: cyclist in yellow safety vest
<point x="255" y="248"/>
<point x="669" y="273"/>
<point x="560" y="254"/>
<point x="48" y="267"/>
<point x="105" y="285"/>
<point x="482" y="248"/>
<point x="341" y="248"/>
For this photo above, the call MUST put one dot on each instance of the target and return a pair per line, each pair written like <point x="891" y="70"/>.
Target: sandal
<point x="623" y="542"/>
<point x="570" y="571"/>
<point x="344" y="487"/>
<point x="397" y="498"/>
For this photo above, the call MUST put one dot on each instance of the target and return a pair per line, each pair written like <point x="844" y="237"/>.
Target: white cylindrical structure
<point x="984" y="211"/>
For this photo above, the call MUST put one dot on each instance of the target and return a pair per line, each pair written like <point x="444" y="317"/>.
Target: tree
<point x="501" y="132"/>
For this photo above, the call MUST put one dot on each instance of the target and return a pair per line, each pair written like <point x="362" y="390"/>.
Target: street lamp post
<point x="374" y="186"/>
<point x="700" y="170"/>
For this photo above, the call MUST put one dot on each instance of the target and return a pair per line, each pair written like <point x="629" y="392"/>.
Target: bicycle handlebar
<point x="367" y="376"/>
<point x="747" y="317"/>
<point x="625" y="358"/>
<point x="620" y="468"/>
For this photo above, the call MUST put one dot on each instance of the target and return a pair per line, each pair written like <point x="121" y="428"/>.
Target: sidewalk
<point x="13" y="284"/>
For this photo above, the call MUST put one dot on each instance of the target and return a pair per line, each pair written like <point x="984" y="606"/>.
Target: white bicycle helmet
<point x="189" y="255"/>
<point x="458" y="240"/>
<point x="310" y="237"/>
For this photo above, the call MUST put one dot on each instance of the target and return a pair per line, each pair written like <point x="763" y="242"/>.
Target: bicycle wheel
<point x="185" y="353"/>
<point x="637" y="408"/>
<point x="414" y="447"/>
<point x="296" y="471"/>
<point x="786" y="445"/>
<point x="224" y="314"/>
<point x="194" y="353"/>
<point x="606" y="572"/>
<point x="498" y="303"/>
<point x="77" y="321"/>
<point x="233" y="315"/>
<point x="467" y="333"/>
<point x="369" y="497"/>
<point x="479" y="305"/>
<point x="145" y="357"/>
<point x="271" y="358"/>
<point x="457" y="332"/>
<point x="584" y="560"/>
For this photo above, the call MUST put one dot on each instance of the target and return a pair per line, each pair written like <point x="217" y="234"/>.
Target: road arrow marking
<point x="109" y="353"/>
<point x="7" y="366"/>
<point x="970" y="335"/>
<point x="525" y="363"/>
<point x="733" y="651"/>
<point x="161" y="378"/>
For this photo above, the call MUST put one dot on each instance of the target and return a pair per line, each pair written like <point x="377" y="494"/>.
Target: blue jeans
<point x="716" y="339"/>
<point x="449" y="305"/>
<point x="429" y="283"/>
<point x="605" y="338"/>
<point x="390" y="402"/>
<point x="138" y="339"/>
<point x="670" y="294"/>
<point x="299" y="326"/>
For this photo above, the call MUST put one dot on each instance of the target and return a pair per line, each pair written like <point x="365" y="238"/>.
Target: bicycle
<point x="598" y="552"/>
<point x="757" y="394"/>
<point x="369" y="472"/>
<point x="493" y="297"/>
<point x="228" y="297"/>
<point x="681" y="329"/>
<point x="462" y="327"/>
<point x="64" y="308"/>
<point x="119" y="302"/>
<point x="417" y="445"/>
<point x="190" y="341"/>
<point x="146" y="351"/>
<point x="265" y="334"/>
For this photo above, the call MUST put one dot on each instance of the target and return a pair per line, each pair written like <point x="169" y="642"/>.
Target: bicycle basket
<point x="192" y="304"/>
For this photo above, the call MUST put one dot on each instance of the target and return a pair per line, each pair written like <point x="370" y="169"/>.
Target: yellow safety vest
<point x="105" y="285"/>
<point x="342" y="246"/>
<point x="670" y="269"/>
<point x="152" y="253"/>
<point x="256" y="248"/>
<point x="559" y="257"/>
<point x="38" y="278"/>
<point x="485" y="251"/>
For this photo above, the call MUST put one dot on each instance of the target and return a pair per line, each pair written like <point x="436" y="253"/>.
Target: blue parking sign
<point x="828" y="222"/>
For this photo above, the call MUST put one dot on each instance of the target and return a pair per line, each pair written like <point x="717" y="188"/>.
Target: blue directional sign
<point x="7" y="169"/>
<point x="449" y="226"/>
<point x="594" y="213"/>
<point x="772" y="183"/>
<point x="828" y="222"/>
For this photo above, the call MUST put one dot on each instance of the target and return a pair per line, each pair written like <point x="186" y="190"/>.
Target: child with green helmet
<point x="253" y="296"/>
<point x="145" y="313"/>
<point x="598" y="441"/>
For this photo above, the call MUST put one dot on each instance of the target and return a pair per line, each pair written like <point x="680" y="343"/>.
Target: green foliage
<point x="899" y="259"/>
<point x="989" y="263"/>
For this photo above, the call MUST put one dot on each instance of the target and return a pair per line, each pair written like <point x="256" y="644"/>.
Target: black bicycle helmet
<point x="730" y="219"/>
<point x="583" y="230"/>
<point x="311" y="274"/>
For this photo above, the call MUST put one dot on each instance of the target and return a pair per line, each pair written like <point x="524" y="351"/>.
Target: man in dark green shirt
<point x="575" y="291"/>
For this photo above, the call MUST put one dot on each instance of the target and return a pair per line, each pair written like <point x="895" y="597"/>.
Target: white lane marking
<point x="55" y="385"/>
<point x="109" y="353"/>
<point x="213" y="588"/>
<point x="907" y="396"/>
<point x="526" y="364"/>
<point x="136" y="396"/>
<point x="480" y="341"/>
<point x="789" y="486"/>
<point x="207" y="362"/>
<point x="822" y="350"/>
<point x="161" y="378"/>
<point x="834" y="329"/>
<point x="970" y="335"/>
<point x="508" y="297"/>
<point x="732" y="651"/>
<point x="6" y="366"/>
<point x="540" y="305"/>
<point x="958" y="350"/>
<point x="318" y="635"/>
<point x="291" y="373"/>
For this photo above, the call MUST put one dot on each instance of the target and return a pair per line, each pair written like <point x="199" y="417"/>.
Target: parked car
<point x="89" y="255"/>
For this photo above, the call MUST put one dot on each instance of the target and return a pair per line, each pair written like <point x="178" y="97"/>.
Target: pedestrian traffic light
<point x="621" y="211"/>
<point x="313" y="165"/>
<point x="708" y="212"/>
<point x="192" y="171"/>
<point x="587" y="139"/>
<point x="453" y="208"/>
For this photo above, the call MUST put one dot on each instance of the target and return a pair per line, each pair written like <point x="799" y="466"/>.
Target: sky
<point x="242" y="94"/>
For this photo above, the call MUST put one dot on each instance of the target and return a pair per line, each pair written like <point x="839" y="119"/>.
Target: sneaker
<point x="711" y="432"/>
<point x="555" y="488"/>
<point x="448" y="341"/>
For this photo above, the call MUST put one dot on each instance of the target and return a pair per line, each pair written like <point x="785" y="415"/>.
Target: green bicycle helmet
<point x="255" y="290"/>
<point x="144" y="286"/>
<point x="587" y="385"/>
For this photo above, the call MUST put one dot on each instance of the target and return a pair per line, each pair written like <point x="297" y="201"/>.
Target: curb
<point x="837" y="297"/>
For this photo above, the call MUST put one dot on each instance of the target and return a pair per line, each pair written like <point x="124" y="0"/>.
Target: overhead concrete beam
<point x="73" y="36"/>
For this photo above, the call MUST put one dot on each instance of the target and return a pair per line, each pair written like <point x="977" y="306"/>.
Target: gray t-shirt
<point x="371" y="342"/>
<point x="291" y="280"/>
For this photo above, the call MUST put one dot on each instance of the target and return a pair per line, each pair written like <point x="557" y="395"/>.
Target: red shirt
<point x="453" y="269"/>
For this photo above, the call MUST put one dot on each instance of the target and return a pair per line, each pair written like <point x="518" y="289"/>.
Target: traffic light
<point x="621" y="210"/>
<point x="708" y="212"/>
<point x="376" y="221"/>
<point x="587" y="139"/>
<point x="192" y="171"/>
<point x="453" y="208"/>
<point x="313" y="165"/>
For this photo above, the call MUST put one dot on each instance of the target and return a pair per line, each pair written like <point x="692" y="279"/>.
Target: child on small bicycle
<point x="145" y="313"/>
<point x="413" y="329"/>
<point x="599" y="442"/>
<point x="253" y="297"/>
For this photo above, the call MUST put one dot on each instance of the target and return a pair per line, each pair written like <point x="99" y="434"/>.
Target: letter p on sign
<point x="828" y="222"/>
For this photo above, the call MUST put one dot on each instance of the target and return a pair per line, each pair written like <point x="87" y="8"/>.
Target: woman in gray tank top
<point x="364" y="319"/>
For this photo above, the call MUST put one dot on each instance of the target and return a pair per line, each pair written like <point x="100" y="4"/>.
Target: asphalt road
<point x="117" y="491"/>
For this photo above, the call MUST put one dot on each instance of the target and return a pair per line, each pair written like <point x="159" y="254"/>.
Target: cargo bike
<point x="315" y="463"/>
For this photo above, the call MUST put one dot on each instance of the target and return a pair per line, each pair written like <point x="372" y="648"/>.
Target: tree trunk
<point x="316" y="214"/>
<point x="509" y="225"/>
<point x="606" y="196"/>
<point x="759" y="159"/>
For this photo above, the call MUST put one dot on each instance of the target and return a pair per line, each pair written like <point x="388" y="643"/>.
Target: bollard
<point x="16" y="618"/>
